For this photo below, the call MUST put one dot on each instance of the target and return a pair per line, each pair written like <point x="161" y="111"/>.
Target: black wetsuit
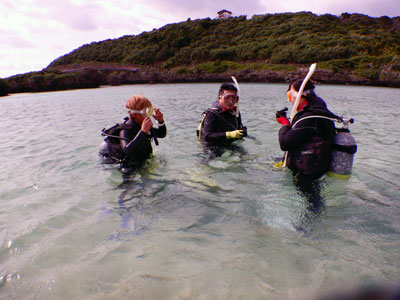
<point x="309" y="146"/>
<point x="306" y="134"/>
<point x="134" y="145"/>
<point x="216" y="123"/>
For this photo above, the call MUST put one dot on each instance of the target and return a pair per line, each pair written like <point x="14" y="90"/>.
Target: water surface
<point x="185" y="227"/>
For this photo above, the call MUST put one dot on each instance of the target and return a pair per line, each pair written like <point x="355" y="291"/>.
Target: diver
<point x="309" y="139"/>
<point x="308" y="142"/>
<point x="129" y="143"/>
<point x="221" y="124"/>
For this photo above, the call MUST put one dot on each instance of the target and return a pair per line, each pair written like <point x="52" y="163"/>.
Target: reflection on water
<point x="187" y="225"/>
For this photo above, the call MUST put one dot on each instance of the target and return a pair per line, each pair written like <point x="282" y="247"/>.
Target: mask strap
<point x="230" y="95"/>
<point x="133" y="111"/>
<point x="148" y="111"/>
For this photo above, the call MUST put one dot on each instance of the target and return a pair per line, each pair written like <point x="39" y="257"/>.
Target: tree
<point x="4" y="87"/>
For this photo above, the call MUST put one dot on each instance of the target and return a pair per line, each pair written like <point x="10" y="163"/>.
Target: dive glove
<point x="235" y="134"/>
<point x="281" y="113"/>
<point x="281" y="116"/>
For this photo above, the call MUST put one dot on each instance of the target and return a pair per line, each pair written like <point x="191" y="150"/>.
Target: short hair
<point x="138" y="102"/>
<point x="226" y="87"/>
<point x="297" y="84"/>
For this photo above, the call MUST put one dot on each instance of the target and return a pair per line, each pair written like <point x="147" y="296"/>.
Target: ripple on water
<point x="187" y="226"/>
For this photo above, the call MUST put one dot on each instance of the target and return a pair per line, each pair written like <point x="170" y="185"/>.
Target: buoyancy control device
<point x="344" y="148"/>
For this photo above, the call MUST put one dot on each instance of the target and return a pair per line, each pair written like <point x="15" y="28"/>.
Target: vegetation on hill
<point x="290" y="38"/>
<point x="4" y="86"/>
<point x="353" y="46"/>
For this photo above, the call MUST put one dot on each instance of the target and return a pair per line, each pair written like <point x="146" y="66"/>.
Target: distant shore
<point x="350" y="49"/>
<point x="94" y="75"/>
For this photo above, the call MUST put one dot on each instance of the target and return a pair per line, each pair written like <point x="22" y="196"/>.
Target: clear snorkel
<point x="237" y="104"/>
<point x="238" y="95"/>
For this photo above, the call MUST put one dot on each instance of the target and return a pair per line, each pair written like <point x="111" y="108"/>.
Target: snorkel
<point x="237" y="110"/>
<point x="296" y="104"/>
<point x="300" y="92"/>
<point x="238" y="95"/>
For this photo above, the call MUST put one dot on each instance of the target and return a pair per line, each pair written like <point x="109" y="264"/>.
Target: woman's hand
<point x="146" y="125"/>
<point x="158" y="115"/>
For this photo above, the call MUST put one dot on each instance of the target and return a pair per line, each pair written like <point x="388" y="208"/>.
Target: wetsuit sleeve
<point x="135" y="145"/>
<point x="290" y="138"/>
<point x="212" y="129"/>
<point x="241" y="126"/>
<point x="161" y="131"/>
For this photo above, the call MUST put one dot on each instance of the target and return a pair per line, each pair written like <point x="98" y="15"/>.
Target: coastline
<point x="93" y="75"/>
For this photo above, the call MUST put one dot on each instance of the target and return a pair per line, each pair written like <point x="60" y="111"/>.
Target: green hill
<point x="351" y="48"/>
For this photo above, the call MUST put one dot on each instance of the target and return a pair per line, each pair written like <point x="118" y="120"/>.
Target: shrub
<point x="183" y="71"/>
<point x="4" y="87"/>
<point x="219" y="67"/>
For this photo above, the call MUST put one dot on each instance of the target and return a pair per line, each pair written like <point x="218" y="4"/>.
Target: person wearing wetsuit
<point x="221" y="124"/>
<point x="308" y="132"/>
<point x="132" y="146"/>
<point x="308" y="141"/>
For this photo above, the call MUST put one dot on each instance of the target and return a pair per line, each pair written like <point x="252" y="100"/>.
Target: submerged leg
<point x="309" y="188"/>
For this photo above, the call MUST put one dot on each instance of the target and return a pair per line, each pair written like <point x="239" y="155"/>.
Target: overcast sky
<point x="35" y="32"/>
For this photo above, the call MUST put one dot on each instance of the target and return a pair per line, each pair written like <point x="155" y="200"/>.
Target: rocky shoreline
<point x="125" y="74"/>
<point x="95" y="75"/>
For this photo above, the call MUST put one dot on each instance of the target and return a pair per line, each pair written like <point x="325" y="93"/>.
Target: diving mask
<point x="148" y="111"/>
<point x="230" y="98"/>
<point x="291" y="96"/>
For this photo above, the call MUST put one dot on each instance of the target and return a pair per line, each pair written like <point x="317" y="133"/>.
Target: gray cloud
<point x="74" y="16"/>
<point x="207" y="8"/>
<point x="336" y="7"/>
<point x="81" y="21"/>
<point x="37" y="31"/>
<point x="15" y="41"/>
<point x="369" y="7"/>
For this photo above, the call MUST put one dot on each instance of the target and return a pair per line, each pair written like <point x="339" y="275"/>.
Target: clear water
<point x="183" y="228"/>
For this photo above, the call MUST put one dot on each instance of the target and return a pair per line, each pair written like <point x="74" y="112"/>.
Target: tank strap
<point x="117" y="127"/>
<point x="317" y="117"/>
<point x="114" y="136"/>
<point x="226" y="121"/>
<point x="346" y="149"/>
<point x="212" y="109"/>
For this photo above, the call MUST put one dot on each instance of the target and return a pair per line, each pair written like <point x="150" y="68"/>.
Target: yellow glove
<point x="236" y="134"/>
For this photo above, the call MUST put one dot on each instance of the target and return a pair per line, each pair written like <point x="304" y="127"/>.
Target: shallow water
<point x="185" y="227"/>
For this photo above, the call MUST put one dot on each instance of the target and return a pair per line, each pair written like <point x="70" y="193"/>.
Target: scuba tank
<point x="344" y="148"/>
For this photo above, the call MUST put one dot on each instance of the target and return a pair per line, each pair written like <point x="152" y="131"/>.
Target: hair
<point x="297" y="84"/>
<point x="138" y="102"/>
<point x="226" y="87"/>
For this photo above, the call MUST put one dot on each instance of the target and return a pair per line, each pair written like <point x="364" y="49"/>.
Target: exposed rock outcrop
<point x="95" y="75"/>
